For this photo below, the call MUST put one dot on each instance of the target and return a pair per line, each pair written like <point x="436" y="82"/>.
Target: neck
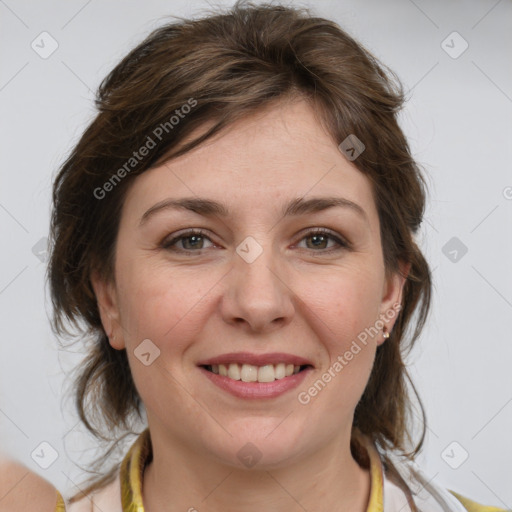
<point x="318" y="482"/>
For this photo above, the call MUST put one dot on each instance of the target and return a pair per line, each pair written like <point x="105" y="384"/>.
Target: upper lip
<point x="256" y="359"/>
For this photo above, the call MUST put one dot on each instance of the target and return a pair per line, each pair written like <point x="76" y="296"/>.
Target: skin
<point x="22" y="490"/>
<point x="299" y="297"/>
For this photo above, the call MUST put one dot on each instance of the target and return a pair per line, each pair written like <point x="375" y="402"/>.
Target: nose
<point x="257" y="294"/>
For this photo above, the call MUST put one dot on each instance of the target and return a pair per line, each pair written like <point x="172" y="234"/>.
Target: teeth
<point x="251" y="373"/>
<point x="266" y="373"/>
<point x="234" y="371"/>
<point x="280" y="370"/>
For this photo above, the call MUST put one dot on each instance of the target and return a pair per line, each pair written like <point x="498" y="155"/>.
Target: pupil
<point x="193" y="237"/>
<point x="319" y="238"/>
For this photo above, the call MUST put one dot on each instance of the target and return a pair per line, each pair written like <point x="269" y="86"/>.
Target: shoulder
<point x="21" y="489"/>
<point x="403" y="482"/>
<point x="120" y="486"/>
<point x="106" y="499"/>
<point x="473" y="506"/>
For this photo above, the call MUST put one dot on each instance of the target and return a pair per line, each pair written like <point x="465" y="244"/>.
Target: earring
<point x="385" y="334"/>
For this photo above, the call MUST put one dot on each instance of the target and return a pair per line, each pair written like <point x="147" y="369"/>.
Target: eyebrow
<point x="210" y="208"/>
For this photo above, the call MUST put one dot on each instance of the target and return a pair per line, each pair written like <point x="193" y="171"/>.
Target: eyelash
<point x="167" y="244"/>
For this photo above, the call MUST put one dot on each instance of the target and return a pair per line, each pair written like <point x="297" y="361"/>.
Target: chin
<point x="261" y="443"/>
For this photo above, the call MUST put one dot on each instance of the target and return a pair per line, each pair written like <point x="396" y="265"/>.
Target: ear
<point x="106" y="298"/>
<point x="392" y="297"/>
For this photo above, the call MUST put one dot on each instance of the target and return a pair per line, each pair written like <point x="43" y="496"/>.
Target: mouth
<point x="253" y="373"/>
<point x="253" y="376"/>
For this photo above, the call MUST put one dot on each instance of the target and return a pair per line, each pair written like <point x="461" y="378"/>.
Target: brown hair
<point x="226" y="66"/>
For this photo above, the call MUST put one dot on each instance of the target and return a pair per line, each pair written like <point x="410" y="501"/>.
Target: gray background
<point x="458" y="123"/>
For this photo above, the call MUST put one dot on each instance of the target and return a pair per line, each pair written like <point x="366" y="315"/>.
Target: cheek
<point x="163" y="305"/>
<point x="170" y="311"/>
<point x="348" y="301"/>
<point x="343" y="310"/>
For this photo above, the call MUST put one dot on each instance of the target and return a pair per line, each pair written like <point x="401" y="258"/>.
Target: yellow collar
<point x="132" y="469"/>
<point x="140" y="453"/>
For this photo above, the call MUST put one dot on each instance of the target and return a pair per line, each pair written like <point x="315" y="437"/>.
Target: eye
<point x="320" y="237"/>
<point x="190" y="240"/>
<point x="194" y="241"/>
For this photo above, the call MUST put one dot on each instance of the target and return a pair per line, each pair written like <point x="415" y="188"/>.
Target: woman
<point x="235" y="234"/>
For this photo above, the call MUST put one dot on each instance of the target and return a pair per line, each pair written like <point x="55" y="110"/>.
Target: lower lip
<point x="242" y="389"/>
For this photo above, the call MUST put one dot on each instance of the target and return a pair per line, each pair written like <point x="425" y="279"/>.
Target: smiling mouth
<point x="252" y="373"/>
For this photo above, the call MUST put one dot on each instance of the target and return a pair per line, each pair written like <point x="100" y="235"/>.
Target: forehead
<point x="262" y="160"/>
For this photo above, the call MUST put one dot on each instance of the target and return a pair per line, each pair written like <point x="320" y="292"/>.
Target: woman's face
<point x="255" y="287"/>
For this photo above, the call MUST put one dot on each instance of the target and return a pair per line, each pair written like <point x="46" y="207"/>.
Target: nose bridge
<point x="257" y="292"/>
<point x="256" y="268"/>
